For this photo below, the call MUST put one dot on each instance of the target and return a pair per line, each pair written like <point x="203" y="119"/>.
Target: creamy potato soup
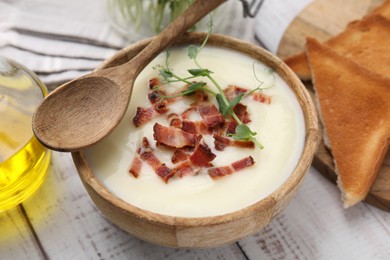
<point x="276" y="117"/>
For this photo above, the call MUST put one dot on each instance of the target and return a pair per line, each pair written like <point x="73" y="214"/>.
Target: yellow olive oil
<point x="23" y="160"/>
<point x="23" y="173"/>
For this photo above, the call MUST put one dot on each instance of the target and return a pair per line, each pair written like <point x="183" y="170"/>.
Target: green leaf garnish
<point x="243" y="133"/>
<point x="166" y="74"/>
<point x="227" y="109"/>
<point x="200" y="72"/>
<point x="221" y="104"/>
<point x="192" y="51"/>
<point x="193" y="87"/>
<point x="236" y="100"/>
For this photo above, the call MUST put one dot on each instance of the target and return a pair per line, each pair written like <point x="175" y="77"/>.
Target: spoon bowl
<point x="100" y="101"/>
<point x="83" y="111"/>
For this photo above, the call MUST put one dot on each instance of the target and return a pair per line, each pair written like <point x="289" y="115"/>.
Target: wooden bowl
<point x="206" y="231"/>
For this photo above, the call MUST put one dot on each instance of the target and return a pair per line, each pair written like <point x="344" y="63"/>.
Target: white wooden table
<point x="61" y="222"/>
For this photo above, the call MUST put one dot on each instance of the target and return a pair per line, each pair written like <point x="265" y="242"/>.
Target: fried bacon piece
<point x="242" y="113"/>
<point x="261" y="97"/>
<point x="146" y="154"/>
<point x="202" y="155"/>
<point x="164" y="172"/>
<point x="179" y="155"/>
<point x="231" y="127"/>
<point x="243" y="163"/>
<point x="210" y="115"/>
<point x="218" y="172"/>
<point x="159" y="103"/>
<point x="136" y="166"/>
<point x="193" y="127"/>
<point x="154" y="82"/>
<point x="190" y="165"/>
<point x="200" y="97"/>
<point x="143" y="115"/>
<point x="233" y="91"/>
<point x="230" y="124"/>
<point x="172" y="136"/>
<point x="221" y="142"/>
<point x="175" y="120"/>
<point x="186" y="168"/>
<point x="185" y="115"/>
<point x="196" y="127"/>
<point x="189" y="127"/>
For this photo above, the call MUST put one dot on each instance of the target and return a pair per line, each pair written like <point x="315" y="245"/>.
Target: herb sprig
<point x="242" y="131"/>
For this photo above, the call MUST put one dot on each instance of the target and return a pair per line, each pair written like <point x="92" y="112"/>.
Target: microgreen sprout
<point x="260" y="87"/>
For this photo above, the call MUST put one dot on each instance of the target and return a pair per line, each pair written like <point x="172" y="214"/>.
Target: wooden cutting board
<point x="322" y="19"/>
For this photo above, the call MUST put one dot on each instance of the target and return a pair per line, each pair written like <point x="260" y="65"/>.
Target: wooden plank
<point x="69" y="225"/>
<point x="16" y="239"/>
<point x="314" y="226"/>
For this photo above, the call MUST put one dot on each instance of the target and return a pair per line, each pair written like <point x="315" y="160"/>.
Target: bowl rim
<point x="304" y="162"/>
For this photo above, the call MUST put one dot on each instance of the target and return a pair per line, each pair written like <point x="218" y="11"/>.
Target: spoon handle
<point x="168" y="36"/>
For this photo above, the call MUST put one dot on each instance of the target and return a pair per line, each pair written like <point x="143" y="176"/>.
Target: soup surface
<point x="279" y="126"/>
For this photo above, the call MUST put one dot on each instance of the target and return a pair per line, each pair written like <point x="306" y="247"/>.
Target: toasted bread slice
<point x="365" y="41"/>
<point x="298" y="63"/>
<point x="355" y="108"/>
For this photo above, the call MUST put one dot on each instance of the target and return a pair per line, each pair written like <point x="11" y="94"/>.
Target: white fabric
<point x="274" y="18"/>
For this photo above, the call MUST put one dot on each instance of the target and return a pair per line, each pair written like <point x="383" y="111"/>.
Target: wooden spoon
<point x="83" y="111"/>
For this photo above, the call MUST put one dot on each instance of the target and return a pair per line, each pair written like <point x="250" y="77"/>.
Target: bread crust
<point x="355" y="109"/>
<point x="298" y="63"/>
